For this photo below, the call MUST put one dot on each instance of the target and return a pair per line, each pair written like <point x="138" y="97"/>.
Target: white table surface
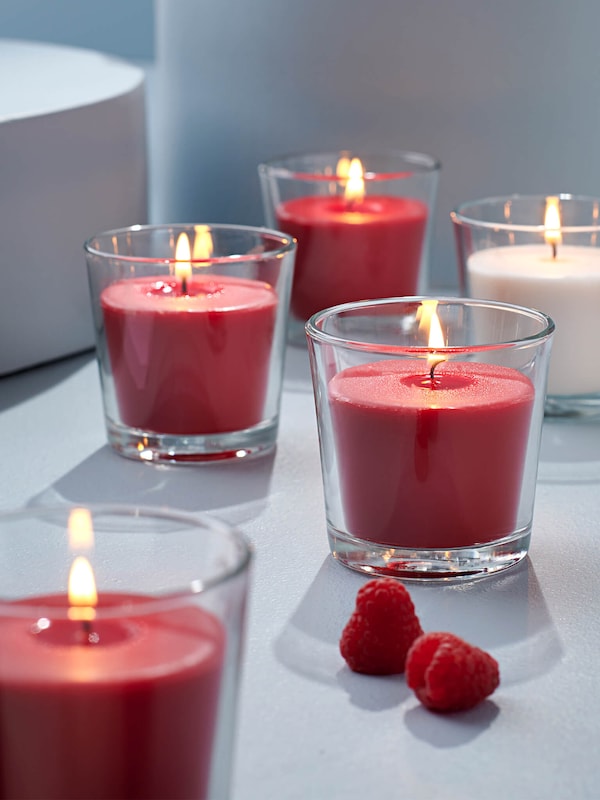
<point x="308" y="727"/>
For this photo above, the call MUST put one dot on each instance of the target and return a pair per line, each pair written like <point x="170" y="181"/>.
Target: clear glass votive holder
<point x="429" y="414"/>
<point x="542" y="252"/>
<point x="191" y="332"/>
<point x="122" y="633"/>
<point x="362" y="221"/>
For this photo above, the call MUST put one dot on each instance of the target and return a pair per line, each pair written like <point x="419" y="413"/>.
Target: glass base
<point x="584" y="406"/>
<point x="174" y="449"/>
<point x="460" y="564"/>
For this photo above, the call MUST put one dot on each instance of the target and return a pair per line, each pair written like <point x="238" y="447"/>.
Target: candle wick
<point x="554" y="250"/>
<point x="88" y="632"/>
<point x="184" y="286"/>
<point x="432" y="368"/>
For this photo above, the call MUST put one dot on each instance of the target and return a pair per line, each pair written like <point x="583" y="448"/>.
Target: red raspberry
<point x="381" y="629"/>
<point x="448" y="674"/>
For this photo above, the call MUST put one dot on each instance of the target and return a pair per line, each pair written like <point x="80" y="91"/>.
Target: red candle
<point x="430" y="464"/>
<point x="190" y="359"/>
<point x="353" y="250"/>
<point x="132" y="715"/>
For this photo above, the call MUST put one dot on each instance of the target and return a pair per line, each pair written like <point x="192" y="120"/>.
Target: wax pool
<point x="566" y="287"/>
<point x="190" y="363"/>
<point x="371" y="248"/>
<point x="131" y="716"/>
<point x="425" y="466"/>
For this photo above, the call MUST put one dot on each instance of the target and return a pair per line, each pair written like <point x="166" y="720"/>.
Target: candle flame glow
<point x="183" y="267"/>
<point x="552" y="223"/>
<point x="83" y="596"/>
<point x="203" y="243"/>
<point x="351" y="170"/>
<point x="80" y="529"/>
<point x="343" y="166"/>
<point x="429" y="322"/>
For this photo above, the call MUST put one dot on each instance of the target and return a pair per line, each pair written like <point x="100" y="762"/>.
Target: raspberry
<point x="448" y="674"/>
<point x="381" y="629"/>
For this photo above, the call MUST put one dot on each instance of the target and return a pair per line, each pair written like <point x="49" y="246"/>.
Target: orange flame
<point x="429" y="322"/>
<point x="83" y="597"/>
<point x="183" y="267"/>
<point x="351" y="170"/>
<point x="552" y="223"/>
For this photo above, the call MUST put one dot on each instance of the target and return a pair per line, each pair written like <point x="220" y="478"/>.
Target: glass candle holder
<point x="190" y="331"/>
<point x="429" y="414"/>
<point x="362" y="221"/>
<point x="542" y="252"/>
<point x="122" y="631"/>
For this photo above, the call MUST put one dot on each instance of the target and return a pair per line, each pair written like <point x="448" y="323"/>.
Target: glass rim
<point x="150" y="603"/>
<point x="460" y="214"/>
<point x="321" y="336"/>
<point x="419" y="162"/>
<point x="287" y="243"/>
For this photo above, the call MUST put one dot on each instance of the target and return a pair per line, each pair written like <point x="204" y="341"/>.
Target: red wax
<point x="430" y="466"/>
<point x="131" y="716"/>
<point x="194" y="363"/>
<point x="371" y="248"/>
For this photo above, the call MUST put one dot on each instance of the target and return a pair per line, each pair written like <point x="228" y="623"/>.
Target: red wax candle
<point x="353" y="251"/>
<point x="194" y="362"/>
<point x="430" y="465"/>
<point x="131" y="716"/>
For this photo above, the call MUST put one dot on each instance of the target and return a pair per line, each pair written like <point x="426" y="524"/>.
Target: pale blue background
<point x="122" y="27"/>
<point x="505" y="94"/>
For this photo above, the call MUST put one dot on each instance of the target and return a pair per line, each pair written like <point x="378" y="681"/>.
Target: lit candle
<point x="430" y="452"/>
<point x="352" y="246"/>
<point x="562" y="280"/>
<point x="190" y="354"/>
<point x="101" y="698"/>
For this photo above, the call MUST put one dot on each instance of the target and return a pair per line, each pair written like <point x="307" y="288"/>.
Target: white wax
<point x="567" y="288"/>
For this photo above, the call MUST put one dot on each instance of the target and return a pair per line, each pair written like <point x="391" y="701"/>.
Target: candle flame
<point x="83" y="596"/>
<point x="552" y="223"/>
<point x="183" y="267"/>
<point x="351" y="170"/>
<point x="203" y="243"/>
<point x="343" y="167"/>
<point x="429" y="322"/>
<point x="80" y="529"/>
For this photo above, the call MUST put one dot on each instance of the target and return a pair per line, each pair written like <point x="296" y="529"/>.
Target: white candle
<point x="566" y="287"/>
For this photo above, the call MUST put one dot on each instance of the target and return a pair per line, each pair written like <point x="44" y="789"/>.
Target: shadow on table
<point x="451" y="730"/>
<point x="308" y="644"/>
<point x="506" y="615"/>
<point x="373" y="693"/>
<point x="235" y="490"/>
<point x="19" y="386"/>
<point x="570" y="452"/>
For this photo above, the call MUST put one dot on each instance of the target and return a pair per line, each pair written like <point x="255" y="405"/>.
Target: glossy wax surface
<point x="430" y="466"/>
<point x="371" y="248"/>
<point x="132" y="715"/>
<point x="195" y="363"/>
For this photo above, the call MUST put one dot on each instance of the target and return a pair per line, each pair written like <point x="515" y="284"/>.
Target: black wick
<point x="89" y="635"/>
<point x="432" y="368"/>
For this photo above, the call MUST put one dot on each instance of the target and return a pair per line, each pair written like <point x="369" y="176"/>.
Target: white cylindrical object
<point x="73" y="154"/>
<point x="566" y="287"/>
